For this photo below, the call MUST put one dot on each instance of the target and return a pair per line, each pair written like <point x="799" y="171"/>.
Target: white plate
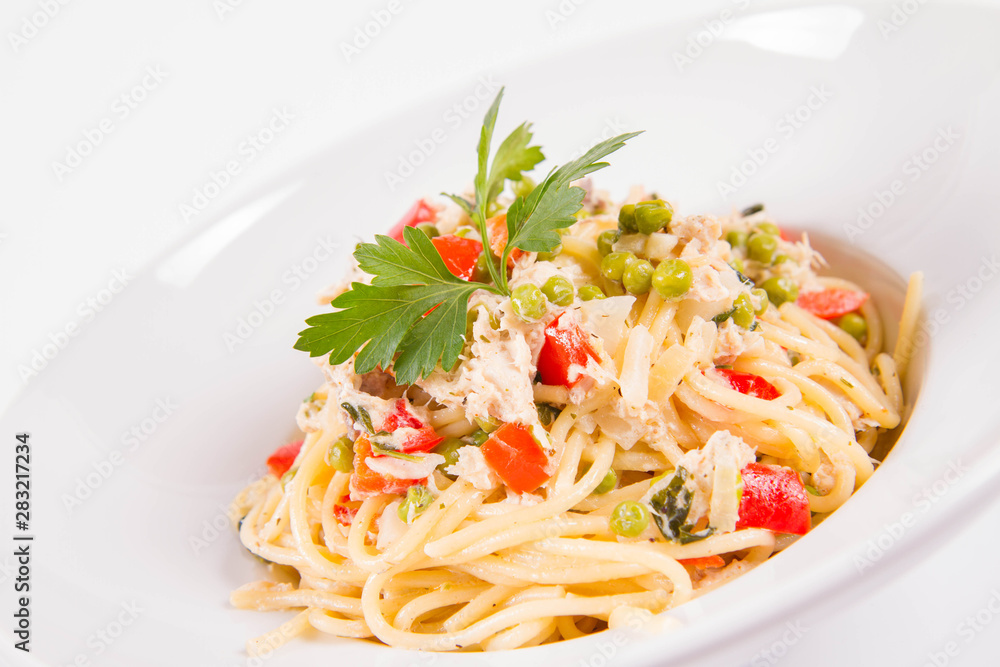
<point x="880" y="99"/>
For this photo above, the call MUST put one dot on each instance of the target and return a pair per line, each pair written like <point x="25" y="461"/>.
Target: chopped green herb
<point x="722" y="317"/>
<point x="381" y="450"/>
<point x="671" y="506"/>
<point x="743" y="279"/>
<point x="547" y="413"/>
<point x="359" y="415"/>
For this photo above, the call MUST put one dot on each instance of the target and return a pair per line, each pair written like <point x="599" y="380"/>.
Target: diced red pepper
<point x="424" y="440"/>
<point x="421" y="211"/>
<point x="459" y="254"/>
<point x="400" y="417"/>
<point x="365" y="482"/>
<point x="749" y="384"/>
<point x="832" y="302"/>
<point x="563" y="347"/>
<point x="283" y="457"/>
<point x="345" y="510"/>
<point x="497" y="228"/>
<point x="773" y="498"/>
<point x="516" y="457"/>
<point x="703" y="562"/>
<point x="785" y="236"/>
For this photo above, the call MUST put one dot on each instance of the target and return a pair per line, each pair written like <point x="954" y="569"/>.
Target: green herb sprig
<point x="413" y="314"/>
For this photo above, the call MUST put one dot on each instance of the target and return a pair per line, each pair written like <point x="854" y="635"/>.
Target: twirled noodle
<point x="482" y="567"/>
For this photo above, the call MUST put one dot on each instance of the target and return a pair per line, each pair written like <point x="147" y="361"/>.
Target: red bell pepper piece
<point x="749" y="384"/>
<point x="516" y="457"/>
<point x="282" y="459"/>
<point x="400" y="417"/>
<point x="773" y="498"/>
<point x="563" y="347"/>
<point x="703" y="562"/>
<point x="424" y="440"/>
<point x="459" y="254"/>
<point x="832" y="302"/>
<point x="366" y="483"/>
<point x="421" y="211"/>
<point x="345" y="510"/>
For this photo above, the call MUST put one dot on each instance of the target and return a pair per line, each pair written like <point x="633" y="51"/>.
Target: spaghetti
<point x="620" y="451"/>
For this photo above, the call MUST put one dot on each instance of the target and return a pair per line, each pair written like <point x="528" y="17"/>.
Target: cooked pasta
<point x="610" y="446"/>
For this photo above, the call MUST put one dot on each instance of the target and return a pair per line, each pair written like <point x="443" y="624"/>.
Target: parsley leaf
<point x="531" y="222"/>
<point x="391" y="315"/>
<point x="513" y="157"/>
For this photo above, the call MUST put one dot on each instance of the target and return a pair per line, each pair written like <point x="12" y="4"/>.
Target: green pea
<point x="672" y="278"/>
<point x="612" y="287"/>
<point x="340" y="456"/>
<point x="613" y="265"/>
<point x="626" y="218"/>
<point x="780" y="289"/>
<point x="737" y="264"/>
<point x="478" y="437"/>
<point x="652" y="216"/>
<point x="550" y="255"/>
<point x="528" y="302"/>
<point x="606" y="239"/>
<point x="781" y="258"/>
<point x="855" y="325"/>
<point x="762" y="297"/>
<point x="489" y="423"/>
<point x="590" y="292"/>
<point x="768" y="228"/>
<point x="737" y="239"/>
<point x="629" y="519"/>
<point x="492" y="209"/>
<point x="743" y="314"/>
<point x="558" y="290"/>
<point x="638" y="276"/>
<point x="761" y="248"/>
<point x="448" y="448"/>
<point x="429" y="229"/>
<point x="523" y="187"/>
<point x="609" y="482"/>
<point x="418" y="499"/>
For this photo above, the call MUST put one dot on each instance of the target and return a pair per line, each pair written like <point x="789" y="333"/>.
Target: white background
<point x="224" y="69"/>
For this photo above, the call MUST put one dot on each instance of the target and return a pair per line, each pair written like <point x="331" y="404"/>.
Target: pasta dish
<point x="543" y="410"/>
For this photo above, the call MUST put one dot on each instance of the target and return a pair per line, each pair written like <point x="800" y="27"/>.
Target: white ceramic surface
<point x="876" y="102"/>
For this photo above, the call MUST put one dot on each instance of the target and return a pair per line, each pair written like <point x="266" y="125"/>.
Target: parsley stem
<point x="499" y="275"/>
